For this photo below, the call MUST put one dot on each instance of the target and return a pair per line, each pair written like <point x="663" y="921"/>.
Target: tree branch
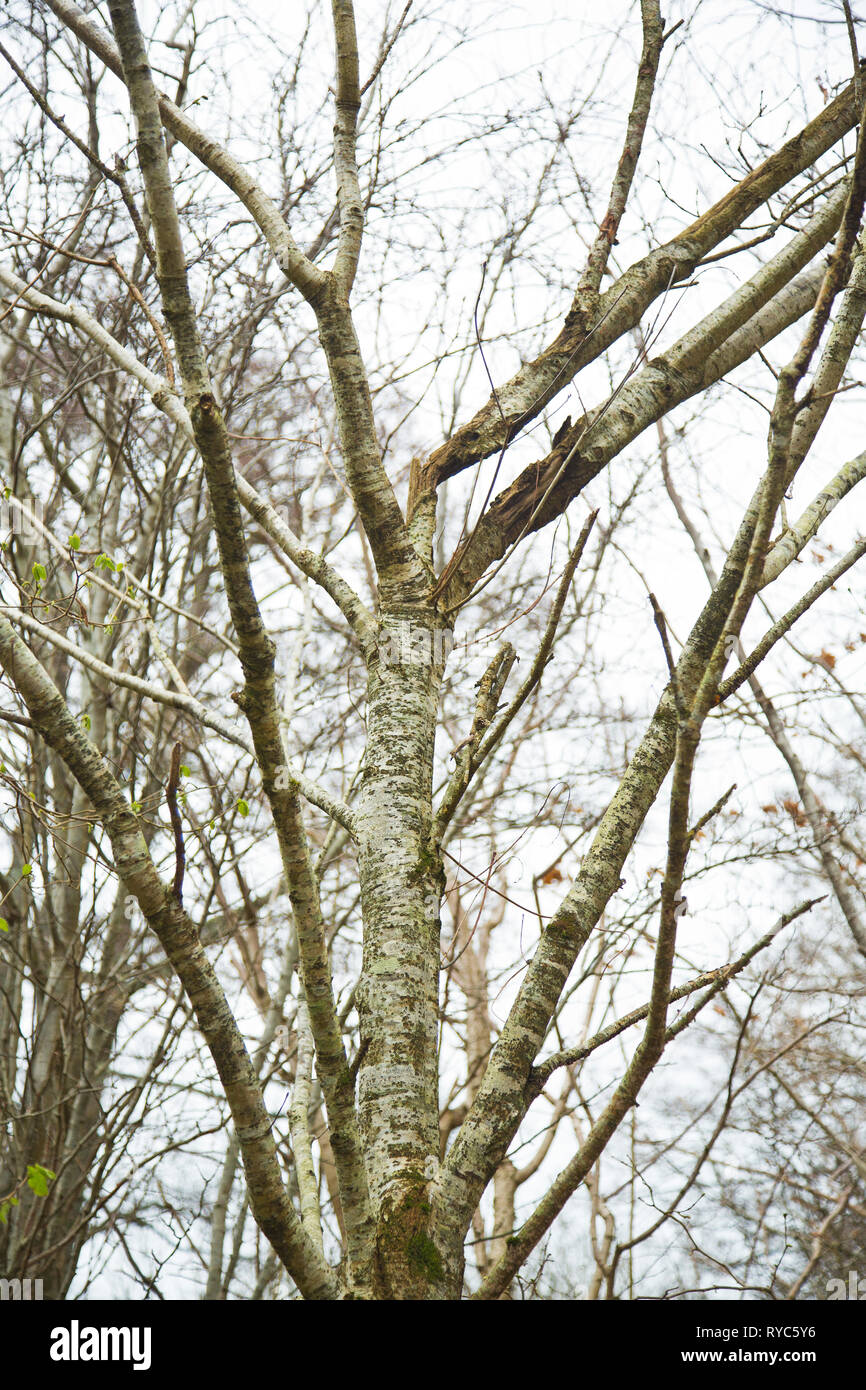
<point x="596" y="263"/>
<point x="180" y="941"/>
<point x="348" y="103"/>
<point x="303" y="274"/>
<point x="621" y="307"/>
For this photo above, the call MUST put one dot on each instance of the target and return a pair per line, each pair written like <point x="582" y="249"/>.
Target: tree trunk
<point x="401" y="887"/>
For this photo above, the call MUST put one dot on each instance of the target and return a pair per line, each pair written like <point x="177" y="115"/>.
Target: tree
<point x="146" y="470"/>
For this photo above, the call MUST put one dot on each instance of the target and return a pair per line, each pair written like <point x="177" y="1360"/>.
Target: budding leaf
<point x="38" y="1178"/>
<point x="40" y="573"/>
<point x="74" y="541"/>
<point x="26" y="870"/>
<point x="4" y="925"/>
<point x="243" y="808"/>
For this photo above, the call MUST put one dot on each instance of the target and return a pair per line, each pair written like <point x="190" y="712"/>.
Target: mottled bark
<point x="401" y="886"/>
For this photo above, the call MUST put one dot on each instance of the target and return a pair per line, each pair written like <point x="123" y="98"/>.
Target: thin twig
<point x="171" y="798"/>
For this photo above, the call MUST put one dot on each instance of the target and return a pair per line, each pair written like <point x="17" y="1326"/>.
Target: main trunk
<point x="401" y="887"/>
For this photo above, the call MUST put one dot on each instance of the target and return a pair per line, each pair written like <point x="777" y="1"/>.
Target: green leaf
<point x="4" y="925"/>
<point x="184" y="770"/>
<point x="243" y="807"/>
<point x="136" y="806"/>
<point x="75" y="541"/>
<point x="105" y="562"/>
<point x="26" y="870"/>
<point x="38" y="1178"/>
<point x="85" y="719"/>
<point x="40" y="573"/>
